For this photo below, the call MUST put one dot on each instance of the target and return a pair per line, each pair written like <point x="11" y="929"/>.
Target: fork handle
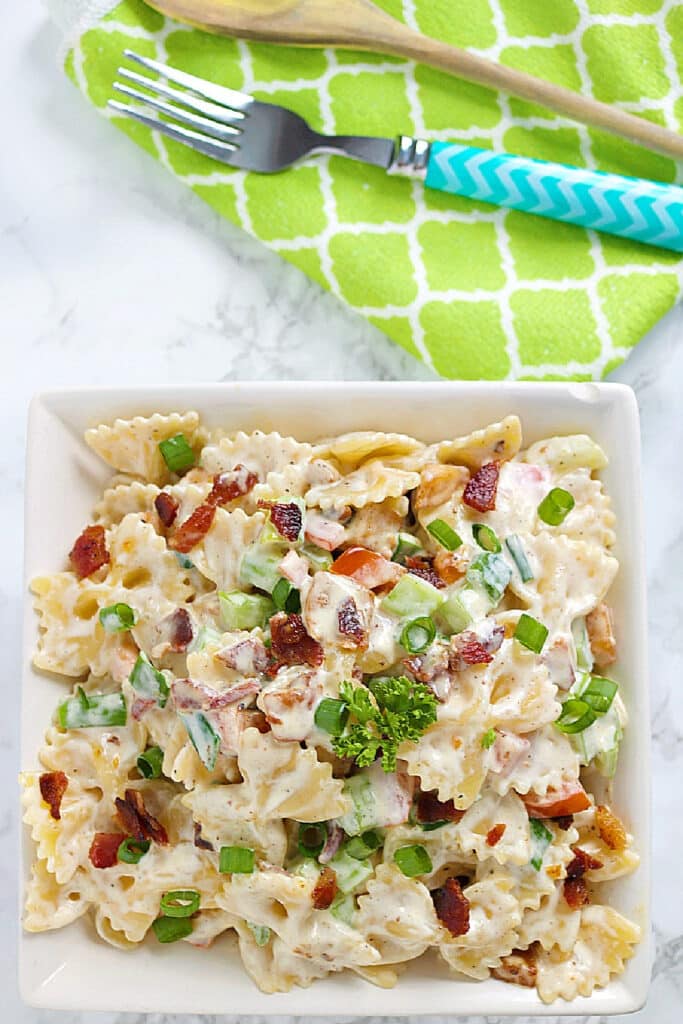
<point x="645" y="211"/>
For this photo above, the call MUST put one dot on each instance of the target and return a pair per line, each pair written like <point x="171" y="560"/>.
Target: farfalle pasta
<point x="343" y="699"/>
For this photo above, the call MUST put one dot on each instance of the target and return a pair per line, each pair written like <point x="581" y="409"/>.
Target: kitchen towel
<point x="474" y="291"/>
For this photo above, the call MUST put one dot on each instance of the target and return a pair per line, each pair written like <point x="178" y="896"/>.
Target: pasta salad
<point x="348" y="700"/>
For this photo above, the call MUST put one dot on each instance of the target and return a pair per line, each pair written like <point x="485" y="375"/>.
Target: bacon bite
<point x="166" y="508"/>
<point x="429" y="808"/>
<point x="229" y="486"/>
<point x="286" y="517"/>
<point x="134" y="818"/>
<point x="89" y="552"/>
<point x="103" y="852"/>
<point x="325" y="889"/>
<point x="423" y="566"/>
<point x="52" y="788"/>
<point x="452" y="907"/>
<point x="193" y="530"/>
<point x="350" y="624"/>
<point x="291" y="644"/>
<point x="480" y="491"/>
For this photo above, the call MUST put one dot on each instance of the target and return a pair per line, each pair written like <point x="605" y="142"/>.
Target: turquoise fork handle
<point x="645" y="211"/>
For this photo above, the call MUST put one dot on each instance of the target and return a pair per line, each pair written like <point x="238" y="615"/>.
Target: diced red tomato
<point x="569" y="799"/>
<point x="366" y="567"/>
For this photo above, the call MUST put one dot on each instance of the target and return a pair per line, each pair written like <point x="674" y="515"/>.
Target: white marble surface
<point x="110" y="272"/>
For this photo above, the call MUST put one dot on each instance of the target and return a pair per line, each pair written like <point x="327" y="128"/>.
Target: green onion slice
<point x="177" y="453"/>
<point x="117" y="618"/>
<point x="286" y="597"/>
<point x="150" y="761"/>
<point x="331" y="715"/>
<point x="485" y="537"/>
<point x="244" y="611"/>
<point x="431" y="826"/>
<point x="407" y="545"/>
<point x="413" y="860"/>
<point x="599" y="694"/>
<point x="541" y="838"/>
<point x="86" y="711"/>
<point x="148" y="681"/>
<point x="488" y="739"/>
<point x="261" y="933"/>
<point x="531" y="633"/>
<point x="363" y="846"/>
<point x="170" y="929"/>
<point x="236" y="860"/>
<point x="516" y="549"/>
<point x="576" y="715"/>
<point x="417" y="635"/>
<point x="203" y="737"/>
<point x="312" y="838"/>
<point x="445" y="534"/>
<point x="491" y="572"/>
<point x="180" y="903"/>
<point x="133" y="850"/>
<point x="556" y="506"/>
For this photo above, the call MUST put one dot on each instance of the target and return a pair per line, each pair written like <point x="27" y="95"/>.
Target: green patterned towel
<point x="474" y="291"/>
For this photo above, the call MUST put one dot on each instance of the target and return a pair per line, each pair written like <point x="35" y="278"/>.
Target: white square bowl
<point x="72" y="969"/>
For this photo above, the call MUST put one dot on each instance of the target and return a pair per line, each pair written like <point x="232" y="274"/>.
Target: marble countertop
<point x="111" y="272"/>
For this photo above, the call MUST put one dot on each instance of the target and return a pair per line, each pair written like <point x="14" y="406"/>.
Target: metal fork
<point x="240" y="131"/>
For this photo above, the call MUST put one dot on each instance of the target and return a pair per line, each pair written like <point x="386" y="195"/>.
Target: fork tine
<point x="222" y="151"/>
<point x="211" y="110"/>
<point x="223" y="132"/>
<point x="199" y="86"/>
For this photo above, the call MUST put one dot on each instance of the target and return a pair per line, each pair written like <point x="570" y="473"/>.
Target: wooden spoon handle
<point x="361" y="25"/>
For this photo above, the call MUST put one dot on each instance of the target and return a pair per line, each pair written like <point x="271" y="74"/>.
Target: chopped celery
<point x="344" y="908"/>
<point x="599" y="743"/>
<point x="205" y="635"/>
<point x="412" y="597"/>
<point x="363" y="814"/>
<point x="491" y="573"/>
<point x="320" y="559"/>
<point x="582" y="645"/>
<point x="244" y="611"/>
<point x="407" y="545"/>
<point x="259" y="567"/>
<point x="453" y="615"/>
<point x="351" y="874"/>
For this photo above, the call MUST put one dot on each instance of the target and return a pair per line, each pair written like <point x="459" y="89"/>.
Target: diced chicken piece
<point x="600" y="626"/>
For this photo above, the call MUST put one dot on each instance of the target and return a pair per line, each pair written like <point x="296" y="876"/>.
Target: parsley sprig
<point x="383" y="715"/>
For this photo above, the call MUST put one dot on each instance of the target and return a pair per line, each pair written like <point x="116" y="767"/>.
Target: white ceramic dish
<point x="72" y="969"/>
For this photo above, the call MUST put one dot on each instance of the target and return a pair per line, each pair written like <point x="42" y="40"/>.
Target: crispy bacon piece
<point x="564" y="821"/>
<point x="228" y="486"/>
<point x="423" y="566"/>
<point x="480" y="491"/>
<point x="350" y="624"/>
<point x="600" y="629"/>
<point x="180" y="630"/>
<point x="519" y="968"/>
<point x="325" y="889"/>
<point x="52" y="789"/>
<point x="286" y="517"/>
<point x="103" y="852"/>
<point x="189" y="695"/>
<point x="201" y="844"/>
<point x="248" y="657"/>
<point x="167" y="508"/>
<point x="452" y="907"/>
<point x="581" y="863"/>
<point x="610" y="828"/>
<point x="575" y="892"/>
<point x="193" y="530"/>
<point x="430" y="808"/>
<point x="291" y="644"/>
<point x="133" y="817"/>
<point x="467" y="649"/>
<point x="255" y="719"/>
<point x="89" y="552"/>
<point x="495" y="834"/>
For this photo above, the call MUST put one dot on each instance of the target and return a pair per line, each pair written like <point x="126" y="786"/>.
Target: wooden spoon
<point x="360" y="25"/>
